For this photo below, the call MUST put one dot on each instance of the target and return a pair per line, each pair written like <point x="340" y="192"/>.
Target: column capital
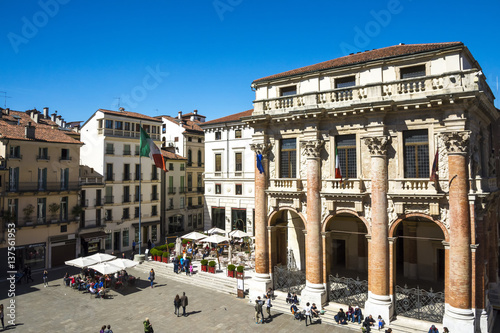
<point x="456" y="142"/>
<point x="261" y="148"/>
<point x="446" y="245"/>
<point x="312" y="148"/>
<point x="377" y="145"/>
<point x="392" y="239"/>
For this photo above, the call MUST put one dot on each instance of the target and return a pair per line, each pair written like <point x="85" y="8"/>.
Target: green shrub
<point x="185" y="241"/>
<point x="171" y="245"/>
<point x="203" y="262"/>
<point x="162" y="247"/>
<point x="154" y="251"/>
<point x="231" y="268"/>
<point x="179" y="257"/>
<point x="211" y="263"/>
<point x="240" y="269"/>
<point x="165" y="254"/>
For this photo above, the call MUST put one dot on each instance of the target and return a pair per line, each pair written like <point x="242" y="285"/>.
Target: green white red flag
<point x="149" y="149"/>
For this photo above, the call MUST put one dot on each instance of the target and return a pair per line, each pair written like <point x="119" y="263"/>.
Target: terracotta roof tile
<point x="45" y="129"/>
<point x="386" y="52"/>
<point x="188" y="124"/>
<point x="232" y="117"/>
<point x="129" y="114"/>
<point x="171" y="156"/>
<point x="192" y="114"/>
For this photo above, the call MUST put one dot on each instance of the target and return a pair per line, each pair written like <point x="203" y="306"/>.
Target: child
<point x="191" y="269"/>
<point x="380" y="322"/>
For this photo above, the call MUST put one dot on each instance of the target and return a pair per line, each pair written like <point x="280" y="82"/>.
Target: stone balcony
<point x="401" y="90"/>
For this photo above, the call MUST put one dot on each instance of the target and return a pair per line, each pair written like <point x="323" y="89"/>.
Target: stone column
<point x="458" y="315"/>
<point x="262" y="279"/>
<point x="315" y="291"/>
<point x="379" y="300"/>
<point x="392" y="265"/>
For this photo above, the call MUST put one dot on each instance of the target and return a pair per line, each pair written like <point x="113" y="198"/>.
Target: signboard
<point x="240" y="278"/>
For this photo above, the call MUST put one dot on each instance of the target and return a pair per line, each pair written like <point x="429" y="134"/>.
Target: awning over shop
<point x="94" y="235"/>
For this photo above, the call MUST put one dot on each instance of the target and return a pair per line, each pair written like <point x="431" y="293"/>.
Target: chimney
<point x="34" y="114"/>
<point x="7" y="111"/>
<point x="195" y="112"/>
<point x="121" y="109"/>
<point x="180" y="115"/>
<point x="63" y="124"/>
<point x="53" y="116"/>
<point x="29" y="131"/>
<point x="58" y="120"/>
<point x="46" y="112"/>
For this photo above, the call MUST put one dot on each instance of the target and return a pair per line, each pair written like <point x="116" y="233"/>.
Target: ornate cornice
<point x="261" y="148"/>
<point x="456" y="142"/>
<point x="377" y="145"/>
<point x="312" y="148"/>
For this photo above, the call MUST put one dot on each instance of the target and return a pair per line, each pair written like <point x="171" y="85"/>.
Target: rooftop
<point x="230" y="118"/>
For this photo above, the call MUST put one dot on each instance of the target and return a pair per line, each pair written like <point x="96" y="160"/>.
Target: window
<point x="190" y="182"/>
<point x="126" y="214"/>
<point x="182" y="189"/>
<point x="218" y="188"/>
<point x="154" y="210"/>
<point x="346" y="151"/>
<point x="416" y="154"/>
<point x="199" y="201"/>
<point x="154" y="172"/>
<point x="138" y="172"/>
<point x="109" y="123"/>
<point x="154" y="233"/>
<point x="190" y="202"/>
<point x="154" y="192"/>
<point x="288" y="158"/>
<point x="345" y="82"/>
<point x="108" y="241"/>
<point x="239" y="189"/>
<point x="136" y="234"/>
<point x="200" y="182"/>
<point x="200" y="140"/>
<point x="190" y="139"/>
<point x="97" y="217"/>
<point x="118" y="125"/>
<point x="218" y="162"/>
<point x="137" y="150"/>
<point x="65" y="154"/>
<point x="41" y="211"/>
<point x="126" y="150"/>
<point x="125" y="235"/>
<point x="182" y="166"/>
<point x="182" y="203"/>
<point x="218" y="217"/>
<point x="108" y="198"/>
<point x="195" y="219"/>
<point x="110" y="149"/>
<point x="109" y="215"/>
<point x="126" y="193"/>
<point x="238" y="158"/>
<point x="15" y="152"/>
<point x="64" y="209"/>
<point x="287" y="91"/>
<point x="238" y="219"/>
<point x="137" y="194"/>
<point x="413" y="71"/>
<point x="64" y="228"/>
<point x="109" y="172"/>
<point x="42" y="179"/>
<point x="126" y="172"/>
<point x="64" y="179"/>
<point x="200" y="218"/>
<point x="200" y="160"/>
<point x="171" y="189"/>
<point x="13" y="179"/>
<point x="136" y="213"/>
<point x="190" y="220"/>
<point x="171" y="166"/>
<point x="218" y="135"/>
<point x="43" y="153"/>
<point x="190" y="158"/>
<point x="171" y="203"/>
<point x="237" y="134"/>
<point x="127" y="126"/>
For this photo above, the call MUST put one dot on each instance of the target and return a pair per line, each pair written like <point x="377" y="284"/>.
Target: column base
<point x="313" y="293"/>
<point x="458" y="320"/>
<point x="377" y="305"/>
<point x="258" y="285"/>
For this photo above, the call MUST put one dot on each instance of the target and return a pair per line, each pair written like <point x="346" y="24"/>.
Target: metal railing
<point x="45" y="187"/>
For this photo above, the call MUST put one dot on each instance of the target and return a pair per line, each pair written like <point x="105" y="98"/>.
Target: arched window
<point x="190" y="158"/>
<point x="200" y="162"/>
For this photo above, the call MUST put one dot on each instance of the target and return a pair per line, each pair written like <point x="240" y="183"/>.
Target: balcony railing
<point x="171" y="190"/>
<point x="84" y="202"/>
<point x="110" y="151"/>
<point x="200" y="189"/>
<point x="125" y="134"/>
<point x="43" y="158"/>
<point x="91" y="181"/>
<point x="182" y="190"/>
<point x="126" y="198"/>
<point x="98" y="202"/>
<point x="154" y="176"/>
<point x="110" y="177"/>
<point x="46" y="187"/>
<point x="137" y="198"/>
<point x="286" y="184"/>
<point x="109" y="199"/>
<point x="343" y="186"/>
<point x="412" y="186"/>
<point x="127" y="177"/>
<point x="154" y="197"/>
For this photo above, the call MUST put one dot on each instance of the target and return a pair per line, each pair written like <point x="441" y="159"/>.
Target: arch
<point x="274" y="212"/>
<point x="330" y="218"/>
<point x="403" y="217"/>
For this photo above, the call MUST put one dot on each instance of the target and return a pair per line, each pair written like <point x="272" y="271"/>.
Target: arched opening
<point x="287" y="240"/>
<point x="190" y="158"/>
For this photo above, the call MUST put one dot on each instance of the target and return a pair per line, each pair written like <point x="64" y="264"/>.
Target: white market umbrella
<point x="238" y="234"/>
<point x="105" y="268"/>
<point x="194" y="236"/>
<point x="215" y="239"/>
<point x="100" y="257"/>
<point x="123" y="263"/>
<point x="216" y="230"/>
<point x="81" y="262"/>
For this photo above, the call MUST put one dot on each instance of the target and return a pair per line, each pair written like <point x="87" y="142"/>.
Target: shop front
<point x="32" y="255"/>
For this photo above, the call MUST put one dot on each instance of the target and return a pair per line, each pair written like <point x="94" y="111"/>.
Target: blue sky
<point x="161" y="57"/>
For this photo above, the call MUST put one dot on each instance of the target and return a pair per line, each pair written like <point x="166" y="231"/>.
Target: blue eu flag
<point x="259" y="163"/>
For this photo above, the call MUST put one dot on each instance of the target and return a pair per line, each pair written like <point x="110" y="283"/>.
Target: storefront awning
<point x="94" y="235"/>
<point x="145" y="224"/>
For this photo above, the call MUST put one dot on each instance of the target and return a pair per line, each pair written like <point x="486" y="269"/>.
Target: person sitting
<point x="357" y="315"/>
<point x="92" y="290"/>
<point x="295" y="299"/>
<point x="314" y="311"/>
<point x="349" y="313"/>
<point x="66" y="279"/>
<point x="368" y="323"/>
<point x="289" y="298"/>
<point x="381" y="322"/>
<point x="72" y="282"/>
<point x="270" y="293"/>
<point x="433" y="329"/>
<point x="296" y="313"/>
<point x="340" y="317"/>
<point x="389" y="330"/>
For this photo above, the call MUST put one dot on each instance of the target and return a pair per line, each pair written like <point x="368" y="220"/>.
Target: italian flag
<point x="149" y="149"/>
<point x="338" y="174"/>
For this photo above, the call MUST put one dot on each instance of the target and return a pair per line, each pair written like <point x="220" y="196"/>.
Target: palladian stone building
<point x="408" y="225"/>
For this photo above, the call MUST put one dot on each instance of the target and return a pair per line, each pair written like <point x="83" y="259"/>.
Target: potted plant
<point x="171" y="245"/>
<point x="204" y="263"/>
<point x="230" y="270"/>
<point x="211" y="267"/>
<point x="77" y="211"/>
<point x="165" y="257"/>
<point x="153" y="253"/>
<point x="28" y="210"/>
<point x="53" y="209"/>
<point x="239" y="272"/>
<point x="184" y="242"/>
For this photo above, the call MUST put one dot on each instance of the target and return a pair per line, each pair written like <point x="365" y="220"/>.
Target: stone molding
<point x="312" y="148"/>
<point x="456" y="142"/>
<point x="377" y="145"/>
<point x="261" y="148"/>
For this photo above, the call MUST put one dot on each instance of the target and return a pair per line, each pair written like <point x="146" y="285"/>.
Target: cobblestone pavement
<point x="60" y="309"/>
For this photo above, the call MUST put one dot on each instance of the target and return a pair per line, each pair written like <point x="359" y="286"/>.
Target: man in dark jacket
<point x="184" y="303"/>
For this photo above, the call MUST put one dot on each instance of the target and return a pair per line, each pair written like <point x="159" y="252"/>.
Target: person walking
<point x="147" y="326"/>
<point x="149" y="245"/>
<point x="109" y="330"/>
<point x="307" y="313"/>
<point x="133" y="245"/>
<point x="184" y="303"/>
<point x="102" y="329"/>
<point x="177" y="305"/>
<point x="258" y="310"/>
<point x="151" y="276"/>
<point x="1" y="316"/>
<point x="28" y="278"/>
<point x="268" y="307"/>
<point x="45" y="277"/>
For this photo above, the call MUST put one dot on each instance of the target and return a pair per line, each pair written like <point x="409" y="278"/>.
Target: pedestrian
<point x="108" y="330"/>
<point x="191" y="269"/>
<point x="176" y="265"/>
<point x="445" y="329"/>
<point x="133" y="245"/>
<point x="268" y="307"/>
<point x="102" y="329"/>
<point x="186" y="266"/>
<point x="1" y="316"/>
<point x="307" y="314"/>
<point x="262" y="304"/>
<point x="147" y="326"/>
<point x="151" y="276"/>
<point x="149" y="245"/>
<point x="258" y="310"/>
<point x="45" y="277"/>
<point x="381" y="322"/>
<point x="25" y="273"/>
<point x="177" y="305"/>
<point x="184" y="303"/>
<point x="433" y="329"/>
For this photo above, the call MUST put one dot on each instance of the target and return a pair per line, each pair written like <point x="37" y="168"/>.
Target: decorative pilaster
<point x="314" y="291"/>
<point x="262" y="279"/>
<point x="379" y="299"/>
<point x="458" y="315"/>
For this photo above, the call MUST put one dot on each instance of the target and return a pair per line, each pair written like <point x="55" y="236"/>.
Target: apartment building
<point x="174" y="210"/>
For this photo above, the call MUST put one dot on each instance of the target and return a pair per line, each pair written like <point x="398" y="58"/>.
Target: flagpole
<point x="140" y="189"/>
